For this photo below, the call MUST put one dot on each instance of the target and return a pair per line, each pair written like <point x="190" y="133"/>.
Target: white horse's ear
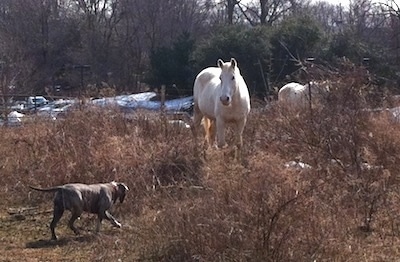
<point x="233" y="62"/>
<point x="220" y="63"/>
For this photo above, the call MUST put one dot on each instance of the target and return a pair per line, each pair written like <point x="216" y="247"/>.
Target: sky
<point x="343" y="2"/>
<point x="347" y="2"/>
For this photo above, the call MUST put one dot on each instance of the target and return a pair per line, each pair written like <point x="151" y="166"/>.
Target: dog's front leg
<point x="107" y="216"/>
<point x="112" y="220"/>
<point x="99" y="219"/>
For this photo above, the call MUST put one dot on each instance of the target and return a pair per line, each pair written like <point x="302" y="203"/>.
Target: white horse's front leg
<point x="239" y="138"/>
<point x="220" y="124"/>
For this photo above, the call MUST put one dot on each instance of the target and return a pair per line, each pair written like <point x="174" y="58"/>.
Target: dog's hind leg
<point x="57" y="214"/>
<point x="71" y="221"/>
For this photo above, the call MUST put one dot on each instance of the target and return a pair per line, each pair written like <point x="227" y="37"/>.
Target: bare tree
<point x="25" y="29"/>
<point x="266" y="12"/>
<point x="328" y="15"/>
<point x="147" y="25"/>
<point x="230" y="7"/>
<point x="391" y="10"/>
<point x="358" y="15"/>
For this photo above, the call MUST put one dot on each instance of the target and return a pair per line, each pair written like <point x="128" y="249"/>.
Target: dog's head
<point x="120" y="192"/>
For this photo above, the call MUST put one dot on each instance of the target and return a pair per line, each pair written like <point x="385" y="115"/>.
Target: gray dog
<point x="96" y="198"/>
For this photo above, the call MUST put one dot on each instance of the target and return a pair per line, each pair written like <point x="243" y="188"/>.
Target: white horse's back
<point x="206" y="76"/>
<point x="291" y="93"/>
<point x="205" y="90"/>
<point x="298" y="95"/>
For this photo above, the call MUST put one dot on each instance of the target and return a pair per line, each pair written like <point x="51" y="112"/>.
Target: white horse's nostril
<point x="225" y="100"/>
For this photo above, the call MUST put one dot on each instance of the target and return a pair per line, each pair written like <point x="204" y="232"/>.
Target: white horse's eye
<point x="233" y="77"/>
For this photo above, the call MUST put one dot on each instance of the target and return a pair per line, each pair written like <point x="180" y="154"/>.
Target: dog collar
<point x="115" y="185"/>
<point x="115" y="190"/>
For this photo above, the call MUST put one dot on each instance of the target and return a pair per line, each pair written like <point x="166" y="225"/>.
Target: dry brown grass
<point x="183" y="208"/>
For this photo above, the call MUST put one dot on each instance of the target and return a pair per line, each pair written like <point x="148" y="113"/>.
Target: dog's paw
<point x="118" y="224"/>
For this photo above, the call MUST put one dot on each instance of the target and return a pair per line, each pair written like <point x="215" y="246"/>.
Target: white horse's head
<point x="229" y="79"/>
<point x="320" y="89"/>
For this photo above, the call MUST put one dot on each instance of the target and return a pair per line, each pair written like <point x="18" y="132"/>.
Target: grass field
<point x="187" y="203"/>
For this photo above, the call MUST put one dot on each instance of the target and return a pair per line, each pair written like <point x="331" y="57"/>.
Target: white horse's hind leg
<point x="209" y="128"/>
<point x="197" y="116"/>
<point x="207" y="124"/>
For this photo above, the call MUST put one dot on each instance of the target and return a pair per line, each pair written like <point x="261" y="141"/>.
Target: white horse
<point x="298" y="95"/>
<point x="220" y="97"/>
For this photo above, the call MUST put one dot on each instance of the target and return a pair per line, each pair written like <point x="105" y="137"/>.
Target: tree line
<point x="130" y="45"/>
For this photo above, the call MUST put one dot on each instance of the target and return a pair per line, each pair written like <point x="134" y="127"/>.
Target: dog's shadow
<point x="60" y="242"/>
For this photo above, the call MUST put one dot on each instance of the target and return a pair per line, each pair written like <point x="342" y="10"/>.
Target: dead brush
<point x="213" y="209"/>
<point x="338" y="140"/>
<point x="258" y="215"/>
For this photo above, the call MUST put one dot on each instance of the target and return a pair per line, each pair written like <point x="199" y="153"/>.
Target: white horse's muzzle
<point x="225" y="100"/>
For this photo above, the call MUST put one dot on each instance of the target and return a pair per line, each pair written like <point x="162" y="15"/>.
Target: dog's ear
<point x="122" y="189"/>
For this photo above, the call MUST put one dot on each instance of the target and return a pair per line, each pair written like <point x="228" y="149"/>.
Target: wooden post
<point x="162" y="109"/>
<point x="162" y="99"/>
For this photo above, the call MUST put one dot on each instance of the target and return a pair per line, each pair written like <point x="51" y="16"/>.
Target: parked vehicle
<point x="57" y="108"/>
<point x="36" y="102"/>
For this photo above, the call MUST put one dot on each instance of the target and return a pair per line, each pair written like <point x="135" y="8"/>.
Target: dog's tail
<point x="50" y="189"/>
